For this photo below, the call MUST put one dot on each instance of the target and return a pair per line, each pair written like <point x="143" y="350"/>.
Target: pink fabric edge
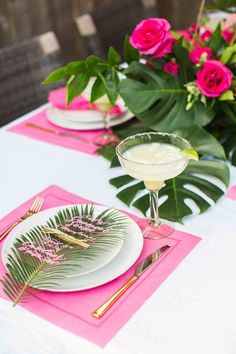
<point x="40" y="119"/>
<point x="231" y="193"/>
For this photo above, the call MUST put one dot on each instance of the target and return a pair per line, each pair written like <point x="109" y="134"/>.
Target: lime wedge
<point x="192" y="154"/>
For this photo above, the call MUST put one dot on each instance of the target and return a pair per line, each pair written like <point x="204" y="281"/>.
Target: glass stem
<point x="154" y="214"/>
<point x="107" y="121"/>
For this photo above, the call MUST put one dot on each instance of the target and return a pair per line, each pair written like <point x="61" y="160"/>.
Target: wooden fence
<point x="22" y="19"/>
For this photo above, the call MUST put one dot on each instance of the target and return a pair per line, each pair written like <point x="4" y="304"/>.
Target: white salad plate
<point x="62" y="118"/>
<point x="84" y="266"/>
<point x="90" y="273"/>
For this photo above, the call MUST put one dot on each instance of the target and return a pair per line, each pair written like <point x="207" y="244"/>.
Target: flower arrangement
<point x="182" y="82"/>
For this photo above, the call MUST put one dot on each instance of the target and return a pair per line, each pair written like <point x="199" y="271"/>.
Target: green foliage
<point x="55" y="76"/>
<point x="216" y="41"/>
<point x="113" y="57"/>
<point x="177" y="190"/>
<point x="175" y="208"/>
<point x="130" y="53"/>
<point x="160" y="103"/>
<point x="76" y="85"/>
<point x="203" y="142"/>
<point x="25" y="271"/>
<point x="159" y="100"/>
<point x="228" y="138"/>
<point x="229" y="108"/>
<point x="227" y="96"/>
<point x="224" y="5"/>
<point x="79" y="72"/>
<point x="228" y="56"/>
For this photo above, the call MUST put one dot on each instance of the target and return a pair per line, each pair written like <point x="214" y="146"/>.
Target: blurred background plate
<point x="60" y="118"/>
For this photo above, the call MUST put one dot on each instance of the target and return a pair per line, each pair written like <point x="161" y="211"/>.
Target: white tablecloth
<point x="194" y="311"/>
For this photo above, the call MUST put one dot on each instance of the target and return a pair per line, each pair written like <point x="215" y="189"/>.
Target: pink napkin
<point x="40" y="119"/>
<point x="231" y="193"/>
<point x="72" y="311"/>
<point x="58" y="99"/>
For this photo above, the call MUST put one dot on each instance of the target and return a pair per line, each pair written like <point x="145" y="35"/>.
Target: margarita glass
<point x="154" y="157"/>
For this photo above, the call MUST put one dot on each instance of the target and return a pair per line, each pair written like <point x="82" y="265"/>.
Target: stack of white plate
<point x="90" y="273"/>
<point x="86" y="119"/>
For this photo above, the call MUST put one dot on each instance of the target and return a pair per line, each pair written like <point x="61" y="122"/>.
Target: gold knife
<point x="139" y="270"/>
<point x="56" y="132"/>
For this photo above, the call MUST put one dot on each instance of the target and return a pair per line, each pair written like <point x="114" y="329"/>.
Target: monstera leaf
<point x="228" y="137"/>
<point x="178" y="190"/>
<point x="160" y="103"/>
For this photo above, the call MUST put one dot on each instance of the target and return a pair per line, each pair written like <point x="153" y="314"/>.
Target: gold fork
<point x="35" y="208"/>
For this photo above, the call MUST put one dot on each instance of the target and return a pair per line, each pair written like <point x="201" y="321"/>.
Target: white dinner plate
<point x="129" y="253"/>
<point x="86" y="265"/>
<point x="60" y="118"/>
<point x="87" y="116"/>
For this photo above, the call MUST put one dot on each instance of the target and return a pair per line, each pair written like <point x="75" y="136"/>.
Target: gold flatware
<point x="35" y="208"/>
<point x="139" y="270"/>
<point x="57" y="132"/>
<point x="65" y="237"/>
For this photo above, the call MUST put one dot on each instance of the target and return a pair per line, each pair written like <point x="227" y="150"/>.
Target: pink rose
<point x="186" y="34"/>
<point x="193" y="28"/>
<point x="203" y="31"/>
<point x="196" y="54"/>
<point x="214" y="78"/>
<point x="171" y="68"/>
<point x="152" y="36"/>
<point x="205" y="35"/>
<point x="227" y="35"/>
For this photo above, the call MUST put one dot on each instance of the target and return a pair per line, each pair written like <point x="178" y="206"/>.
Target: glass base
<point x="107" y="137"/>
<point x="164" y="229"/>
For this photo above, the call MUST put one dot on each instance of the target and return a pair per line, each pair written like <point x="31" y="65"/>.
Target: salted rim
<point x="151" y="133"/>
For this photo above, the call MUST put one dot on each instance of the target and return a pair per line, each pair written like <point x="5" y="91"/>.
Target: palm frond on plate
<point x="38" y="259"/>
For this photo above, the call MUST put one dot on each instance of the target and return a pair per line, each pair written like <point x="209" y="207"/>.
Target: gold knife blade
<point x="139" y="270"/>
<point x="56" y="132"/>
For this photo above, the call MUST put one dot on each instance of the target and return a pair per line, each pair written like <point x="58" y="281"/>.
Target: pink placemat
<point x="72" y="311"/>
<point x="58" y="99"/>
<point x="41" y="120"/>
<point x="231" y="193"/>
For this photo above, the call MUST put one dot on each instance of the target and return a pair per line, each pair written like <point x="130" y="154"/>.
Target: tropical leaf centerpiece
<point x="180" y="82"/>
<point x="46" y="253"/>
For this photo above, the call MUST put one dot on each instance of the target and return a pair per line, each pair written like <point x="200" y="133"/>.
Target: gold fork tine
<point x="39" y="205"/>
<point x="35" y="208"/>
<point x="34" y="205"/>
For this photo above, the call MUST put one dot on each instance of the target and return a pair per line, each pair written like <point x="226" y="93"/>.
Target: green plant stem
<point x="200" y="13"/>
<point x="233" y="38"/>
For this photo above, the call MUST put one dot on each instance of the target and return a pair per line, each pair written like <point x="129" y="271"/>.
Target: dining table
<point x="193" y="311"/>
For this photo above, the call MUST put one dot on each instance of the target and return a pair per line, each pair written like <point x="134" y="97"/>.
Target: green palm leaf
<point x="27" y="272"/>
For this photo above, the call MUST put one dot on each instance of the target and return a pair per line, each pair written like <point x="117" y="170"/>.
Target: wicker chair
<point x="107" y="25"/>
<point x="22" y="69"/>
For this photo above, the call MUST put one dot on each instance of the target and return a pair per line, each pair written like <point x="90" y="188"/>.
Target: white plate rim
<point x="66" y="124"/>
<point x="88" y="115"/>
<point x="121" y="260"/>
<point x="46" y="214"/>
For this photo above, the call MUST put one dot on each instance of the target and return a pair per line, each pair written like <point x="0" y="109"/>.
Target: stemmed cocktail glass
<point x="105" y="108"/>
<point x="154" y="157"/>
